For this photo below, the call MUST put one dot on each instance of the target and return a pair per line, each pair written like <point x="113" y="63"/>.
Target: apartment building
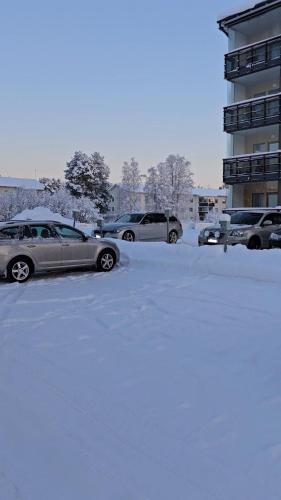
<point x="252" y="117"/>
<point x="206" y="202"/>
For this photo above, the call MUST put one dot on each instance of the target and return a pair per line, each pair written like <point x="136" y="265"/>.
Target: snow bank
<point x="238" y="262"/>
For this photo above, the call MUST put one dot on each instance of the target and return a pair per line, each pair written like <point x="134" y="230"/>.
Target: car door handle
<point x="31" y="246"/>
<point x="65" y="244"/>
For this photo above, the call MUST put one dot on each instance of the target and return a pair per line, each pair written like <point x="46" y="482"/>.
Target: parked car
<point x="275" y="239"/>
<point x="29" y="247"/>
<point x="149" y="226"/>
<point x="250" y="228"/>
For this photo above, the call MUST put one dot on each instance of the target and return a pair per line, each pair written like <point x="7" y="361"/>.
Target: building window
<point x="216" y="200"/>
<point x="191" y="209"/>
<point x="272" y="199"/>
<point x="259" y="148"/>
<point x="273" y="146"/>
<point x="257" y="200"/>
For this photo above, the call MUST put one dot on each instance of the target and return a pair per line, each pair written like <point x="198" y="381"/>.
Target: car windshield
<point x="246" y="218"/>
<point x="134" y="218"/>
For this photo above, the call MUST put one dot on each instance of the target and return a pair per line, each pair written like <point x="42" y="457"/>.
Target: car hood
<point x="116" y="225"/>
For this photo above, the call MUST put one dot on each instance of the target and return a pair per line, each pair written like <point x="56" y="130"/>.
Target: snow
<point x="159" y="380"/>
<point x="268" y="97"/>
<point x="42" y="213"/>
<point x="14" y="182"/>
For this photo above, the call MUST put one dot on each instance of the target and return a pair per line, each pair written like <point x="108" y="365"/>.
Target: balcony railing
<point x="253" y="58"/>
<point x="252" y="114"/>
<point x="252" y="168"/>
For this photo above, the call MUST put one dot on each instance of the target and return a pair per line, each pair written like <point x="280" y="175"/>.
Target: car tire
<point x="106" y="260"/>
<point x="173" y="237"/>
<point x="128" y="236"/>
<point x="19" y="270"/>
<point x="254" y="243"/>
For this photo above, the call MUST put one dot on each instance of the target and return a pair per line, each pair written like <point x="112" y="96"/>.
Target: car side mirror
<point x="267" y="223"/>
<point x="85" y="238"/>
<point x="146" y="221"/>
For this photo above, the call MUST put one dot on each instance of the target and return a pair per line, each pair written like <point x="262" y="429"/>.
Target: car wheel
<point x="128" y="236"/>
<point x="106" y="261"/>
<point x="254" y="243"/>
<point x="19" y="270"/>
<point x="173" y="237"/>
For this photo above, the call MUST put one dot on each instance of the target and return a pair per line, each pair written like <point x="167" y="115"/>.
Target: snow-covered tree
<point x="169" y="185"/>
<point x="88" y="176"/>
<point x="151" y="189"/>
<point x="131" y="182"/>
<point x="15" y="201"/>
<point x="51" y="184"/>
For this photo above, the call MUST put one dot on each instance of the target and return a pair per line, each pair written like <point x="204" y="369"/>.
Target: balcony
<point x="252" y="168"/>
<point x="253" y="113"/>
<point x="253" y="58"/>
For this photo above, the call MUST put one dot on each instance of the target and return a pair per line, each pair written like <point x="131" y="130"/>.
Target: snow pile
<point x="42" y="213"/>
<point x="185" y="257"/>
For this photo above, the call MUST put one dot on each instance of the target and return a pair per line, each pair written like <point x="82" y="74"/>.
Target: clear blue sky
<point x="124" y="78"/>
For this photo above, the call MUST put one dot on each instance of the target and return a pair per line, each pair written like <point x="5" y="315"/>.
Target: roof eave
<point x="246" y="15"/>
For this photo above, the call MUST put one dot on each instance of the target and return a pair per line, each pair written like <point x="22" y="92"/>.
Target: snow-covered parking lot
<point x="158" y="381"/>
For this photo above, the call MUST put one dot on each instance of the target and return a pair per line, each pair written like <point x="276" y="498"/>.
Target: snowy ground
<point x="158" y="381"/>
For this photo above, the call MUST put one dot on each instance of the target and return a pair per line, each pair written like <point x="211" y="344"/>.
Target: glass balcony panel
<point x="252" y="168"/>
<point x="271" y="164"/>
<point x="272" y="108"/>
<point x="244" y="116"/>
<point x="232" y="63"/>
<point x="259" y="55"/>
<point x="258" y="111"/>
<point x="274" y="50"/>
<point x="245" y="61"/>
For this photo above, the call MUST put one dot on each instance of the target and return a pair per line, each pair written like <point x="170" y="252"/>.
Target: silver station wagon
<point x="149" y="226"/>
<point x="28" y="247"/>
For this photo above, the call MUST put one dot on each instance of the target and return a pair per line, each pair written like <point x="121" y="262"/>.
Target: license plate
<point x="212" y="240"/>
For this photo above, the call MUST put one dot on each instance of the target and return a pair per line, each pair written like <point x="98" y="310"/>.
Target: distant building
<point x="118" y="193"/>
<point x="252" y="117"/>
<point x="206" y="202"/>
<point x="202" y="202"/>
<point x="8" y="184"/>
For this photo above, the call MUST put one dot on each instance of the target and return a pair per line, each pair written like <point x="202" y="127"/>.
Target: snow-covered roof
<point x="16" y="182"/>
<point x="208" y="192"/>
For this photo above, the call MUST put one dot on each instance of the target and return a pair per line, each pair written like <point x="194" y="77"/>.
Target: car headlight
<point x="206" y="233"/>
<point x="237" y="233"/>
<point x="217" y="234"/>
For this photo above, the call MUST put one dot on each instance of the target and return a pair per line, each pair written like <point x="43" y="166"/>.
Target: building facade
<point x="252" y="117"/>
<point x="118" y="194"/>
<point x="206" y="203"/>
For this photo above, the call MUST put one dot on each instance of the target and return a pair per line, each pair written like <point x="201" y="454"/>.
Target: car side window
<point x="10" y="233"/>
<point x="173" y="219"/>
<point x="148" y="219"/>
<point x="276" y="219"/>
<point x="67" y="232"/>
<point x="40" y="231"/>
<point x="159" y="218"/>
